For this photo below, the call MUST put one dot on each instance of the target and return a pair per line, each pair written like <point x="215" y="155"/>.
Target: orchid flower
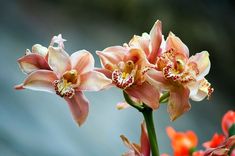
<point x="181" y="75"/>
<point x="126" y="67"/>
<point x="150" y="43"/>
<point x="183" y="144"/>
<point x="138" y="150"/>
<point x="68" y="76"/>
<point x="38" y="57"/>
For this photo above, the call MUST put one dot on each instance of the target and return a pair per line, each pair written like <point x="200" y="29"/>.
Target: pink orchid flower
<point x="126" y="67"/>
<point x="135" y="149"/>
<point x="38" y="57"/>
<point x="150" y="43"/>
<point x="68" y="77"/>
<point x="181" y="75"/>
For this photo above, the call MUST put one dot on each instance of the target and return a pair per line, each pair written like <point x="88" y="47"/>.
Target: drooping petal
<point x="111" y="56"/>
<point x="203" y="63"/>
<point x="79" y="107"/>
<point x="82" y="61"/>
<point x="58" y="60"/>
<point x="178" y="102"/>
<point x="94" y="81"/>
<point x="145" y="93"/>
<point x="156" y="39"/>
<point x="174" y="42"/>
<point x="41" y="80"/>
<point x="144" y="141"/>
<point x="32" y="62"/>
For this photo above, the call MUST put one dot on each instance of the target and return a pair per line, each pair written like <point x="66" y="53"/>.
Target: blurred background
<point x="40" y="124"/>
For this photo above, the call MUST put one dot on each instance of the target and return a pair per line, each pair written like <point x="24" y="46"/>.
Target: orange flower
<point x="228" y="121"/>
<point x="216" y="140"/>
<point x="182" y="143"/>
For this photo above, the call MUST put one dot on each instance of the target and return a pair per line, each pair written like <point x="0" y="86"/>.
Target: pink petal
<point x="106" y="72"/>
<point x="145" y="93"/>
<point x="82" y="61"/>
<point x="94" y="81"/>
<point x="178" y="102"/>
<point x="122" y="105"/>
<point x="173" y="42"/>
<point x="156" y="39"/>
<point x="41" y="80"/>
<point x="111" y="56"/>
<point x="199" y="91"/>
<point x="79" y="107"/>
<point x="39" y="49"/>
<point x="144" y="141"/>
<point x="141" y="42"/>
<point x="203" y="63"/>
<point x="157" y="79"/>
<point x="58" y="60"/>
<point x="32" y="62"/>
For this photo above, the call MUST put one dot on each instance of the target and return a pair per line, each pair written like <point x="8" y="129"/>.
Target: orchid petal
<point x="41" y="80"/>
<point x="157" y="79"/>
<point x="203" y="63"/>
<point x="141" y="42"/>
<point x="111" y="56"/>
<point x="39" y="49"/>
<point x="178" y="102"/>
<point x="106" y="72"/>
<point x="82" y="61"/>
<point x="122" y="105"/>
<point x="146" y="93"/>
<point x="174" y="42"/>
<point x="156" y="39"/>
<point x="79" y="107"/>
<point x="58" y="60"/>
<point x="144" y="141"/>
<point x="32" y="62"/>
<point x="200" y="90"/>
<point x="94" y="81"/>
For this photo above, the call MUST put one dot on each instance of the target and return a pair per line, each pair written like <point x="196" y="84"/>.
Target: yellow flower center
<point x="64" y="86"/>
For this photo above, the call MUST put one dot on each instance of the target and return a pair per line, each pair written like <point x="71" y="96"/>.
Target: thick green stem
<point x="148" y="116"/>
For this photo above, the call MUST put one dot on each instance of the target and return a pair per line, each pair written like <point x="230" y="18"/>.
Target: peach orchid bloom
<point x="180" y="75"/>
<point x="138" y="150"/>
<point x="38" y="57"/>
<point x="228" y="121"/>
<point x="183" y="144"/>
<point x="126" y="67"/>
<point x="68" y="77"/>
<point x="149" y="43"/>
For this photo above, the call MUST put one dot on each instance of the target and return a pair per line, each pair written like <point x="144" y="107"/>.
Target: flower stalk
<point x="148" y="117"/>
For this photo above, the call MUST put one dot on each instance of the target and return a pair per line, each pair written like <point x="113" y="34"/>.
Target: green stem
<point x="132" y="103"/>
<point x="148" y="116"/>
<point x="232" y="130"/>
<point x="164" y="97"/>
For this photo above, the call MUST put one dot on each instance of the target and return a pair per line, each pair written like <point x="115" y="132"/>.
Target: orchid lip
<point x="64" y="87"/>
